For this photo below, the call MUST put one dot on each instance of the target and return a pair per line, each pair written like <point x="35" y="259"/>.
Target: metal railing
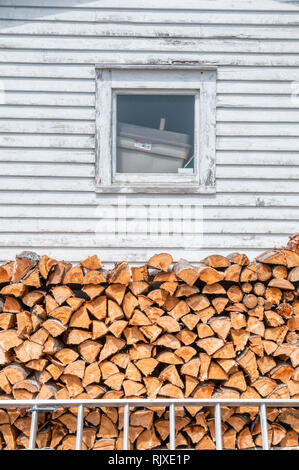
<point x="36" y="406"/>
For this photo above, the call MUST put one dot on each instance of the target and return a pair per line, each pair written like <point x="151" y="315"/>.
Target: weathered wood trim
<point x="142" y="189"/>
<point x="200" y="81"/>
<point x="103" y="136"/>
<point x="156" y="66"/>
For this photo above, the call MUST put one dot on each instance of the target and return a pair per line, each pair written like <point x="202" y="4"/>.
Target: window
<point x="155" y="128"/>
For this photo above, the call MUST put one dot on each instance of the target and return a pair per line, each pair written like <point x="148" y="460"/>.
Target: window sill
<point x="155" y="189"/>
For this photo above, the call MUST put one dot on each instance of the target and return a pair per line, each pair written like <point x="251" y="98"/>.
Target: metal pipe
<point x="264" y="426"/>
<point x="34" y="406"/>
<point x="79" y="433"/>
<point x="218" y="430"/>
<point x="126" y="427"/>
<point x="33" y="428"/>
<point x="282" y="403"/>
<point x="172" y="426"/>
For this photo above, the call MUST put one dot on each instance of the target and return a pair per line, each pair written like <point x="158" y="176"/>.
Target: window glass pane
<point x="155" y="133"/>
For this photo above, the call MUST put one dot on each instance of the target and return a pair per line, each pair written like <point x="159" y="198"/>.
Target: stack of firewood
<point x="225" y="327"/>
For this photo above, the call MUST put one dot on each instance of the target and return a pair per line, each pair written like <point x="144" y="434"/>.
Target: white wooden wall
<point x="47" y="109"/>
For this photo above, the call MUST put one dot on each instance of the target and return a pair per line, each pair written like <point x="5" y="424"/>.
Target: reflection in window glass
<point x="155" y="134"/>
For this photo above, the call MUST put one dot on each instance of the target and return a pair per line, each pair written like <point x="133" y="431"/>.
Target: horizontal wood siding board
<point x="73" y="113"/>
<point x="48" y="98"/>
<point x="244" y="5"/>
<point x="87" y="71"/>
<point x="275" y="143"/>
<point x="59" y="85"/>
<point x="85" y="243"/>
<point x="47" y="140"/>
<point x="85" y="199"/>
<point x="102" y="227"/>
<point x="47" y="169"/>
<point x="155" y="15"/>
<point x="47" y="112"/>
<point x="228" y="100"/>
<point x="143" y="30"/>
<point x="83" y="85"/>
<point x="254" y="143"/>
<point x="49" y="155"/>
<point x="169" y="44"/>
<point x="257" y="101"/>
<point x="224" y="157"/>
<point x="86" y="170"/>
<point x="257" y="157"/>
<point x="63" y="183"/>
<point x="31" y="126"/>
<point x="201" y="58"/>
<point x="257" y="115"/>
<point x="63" y="126"/>
<point x="109" y="211"/>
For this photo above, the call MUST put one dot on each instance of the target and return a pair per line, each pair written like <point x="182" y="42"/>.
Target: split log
<point x="186" y="272"/>
<point x="46" y="264"/>
<point x="120" y="274"/>
<point x="161" y="261"/>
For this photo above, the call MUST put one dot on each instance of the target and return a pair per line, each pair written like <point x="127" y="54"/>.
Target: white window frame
<point x="196" y="80"/>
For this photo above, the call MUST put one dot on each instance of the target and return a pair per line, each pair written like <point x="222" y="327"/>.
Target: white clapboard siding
<point x="47" y="112"/>
<point x="257" y="115"/>
<point x="109" y="211"/>
<point x="257" y="101"/>
<point x="87" y="57"/>
<point x="88" y="99"/>
<point x="83" y="239"/>
<point x="102" y="226"/>
<point x="88" y="113"/>
<point x="63" y="183"/>
<point x="229" y="157"/>
<point x="31" y="126"/>
<point x="88" y="85"/>
<point x="258" y="129"/>
<point x="46" y="140"/>
<point x="87" y="170"/>
<point x="48" y="52"/>
<point x="144" y="30"/>
<point x="47" y="98"/>
<point x="47" y="169"/>
<point x="258" y="172"/>
<point x="224" y="157"/>
<point x="75" y="71"/>
<point x="198" y="31"/>
<point x="256" y="87"/>
<point x="244" y="5"/>
<point x="133" y="248"/>
<point x="41" y="184"/>
<point x="47" y="156"/>
<point x="48" y="84"/>
<point x="86" y="71"/>
<point x="241" y="201"/>
<point x="258" y="143"/>
<point x="151" y="44"/>
<point x="148" y="15"/>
